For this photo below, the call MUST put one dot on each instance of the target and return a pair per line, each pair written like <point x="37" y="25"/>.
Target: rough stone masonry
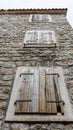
<point x="14" y="54"/>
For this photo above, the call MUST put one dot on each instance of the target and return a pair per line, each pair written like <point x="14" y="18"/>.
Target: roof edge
<point x="33" y="11"/>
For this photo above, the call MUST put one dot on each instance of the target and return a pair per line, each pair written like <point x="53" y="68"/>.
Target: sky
<point x="17" y="4"/>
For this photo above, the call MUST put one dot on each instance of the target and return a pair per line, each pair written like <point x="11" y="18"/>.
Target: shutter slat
<point x="50" y="37"/>
<point x="42" y="91"/>
<point x="31" y="89"/>
<point x="35" y="97"/>
<point x="48" y="94"/>
<point x="25" y="94"/>
<point x="51" y="106"/>
<point x="58" y="94"/>
<point x="19" y="105"/>
<point x="25" y="91"/>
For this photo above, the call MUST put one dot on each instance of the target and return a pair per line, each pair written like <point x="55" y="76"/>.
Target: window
<point x="41" y="38"/>
<point x="39" y="94"/>
<point x="40" y="18"/>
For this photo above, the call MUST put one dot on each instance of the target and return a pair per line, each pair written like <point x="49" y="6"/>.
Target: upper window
<point x="37" y="38"/>
<point x="40" y="18"/>
<point x="39" y="94"/>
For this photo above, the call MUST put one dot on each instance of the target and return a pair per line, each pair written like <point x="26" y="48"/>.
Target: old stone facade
<point x="13" y="54"/>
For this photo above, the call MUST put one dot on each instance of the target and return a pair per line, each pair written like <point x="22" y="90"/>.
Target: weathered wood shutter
<point x="40" y="18"/>
<point x="45" y="37"/>
<point x="28" y="94"/>
<point x="37" y="37"/>
<point x="53" y="95"/>
<point x="32" y="37"/>
<point x="35" y="17"/>
<point x="39" y="93"/>
<point x="23" y="103"/>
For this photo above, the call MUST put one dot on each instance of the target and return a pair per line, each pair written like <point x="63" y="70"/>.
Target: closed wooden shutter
<point x="40" y="18"/>
<point x="32" y="37"/>
<point x="37" y="37"/>
<point x="50" y="95"/>
<point x="39" y="92"/>
<point x="23" y="103"/>
<point x="36" y="17"/>
<point x="45" y="37"/>
<point x="42" y="92"/>
<point x="28" y="93"/>
<point x="60" y="103"/>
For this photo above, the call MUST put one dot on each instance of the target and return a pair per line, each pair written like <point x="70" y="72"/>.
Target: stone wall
<point x="13" y="54"/>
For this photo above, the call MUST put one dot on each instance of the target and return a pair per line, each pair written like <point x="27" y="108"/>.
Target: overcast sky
<point x="13" y="4"/>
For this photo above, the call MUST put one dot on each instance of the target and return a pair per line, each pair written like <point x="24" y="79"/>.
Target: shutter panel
<point x="35" y="94"/>
<point x="45" y="37"/>
<point x="28" y="94"/>
<point x="50" y="37"/>
<point x="40" y="18"/>
<point x="35" y="17"/>
<point x="42" y="92"/>
<point x="32" y="37"/>
<point x="24" y="100"/>
<point x="50" y="95"/>
<point x="53" y="96"/>
<point x="40" y="37"/>
<point x="44" y="18"/>
<point x="58" y="95"/>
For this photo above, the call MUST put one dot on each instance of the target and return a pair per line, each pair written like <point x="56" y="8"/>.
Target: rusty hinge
<point x="26" y="74"/>
<point x="53" y="74"/>
<point x="21" y="101"/>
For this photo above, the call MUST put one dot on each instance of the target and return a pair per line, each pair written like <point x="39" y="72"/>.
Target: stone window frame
<point x="52" y="43"/>
<point x="48" y="16"/>
<point x="68" y="115"/>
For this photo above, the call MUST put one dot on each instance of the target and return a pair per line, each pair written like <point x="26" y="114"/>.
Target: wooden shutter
<point x="28" y="93"/>
<point x="39" y="92"/>
<point x="41" y="38"/>
<point x="42" y="92"/>
<point x="53" y="96"/>
<point x="32" y="37"/>
<point x="45" y="18"/>
<point x="60" y="103"/>
<point x="23" y="103"/>
<point x="40" y="18"/>
<point x="45" y="37"/>
<point x="35" y="17"/>
<point x="50" y="95"/>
